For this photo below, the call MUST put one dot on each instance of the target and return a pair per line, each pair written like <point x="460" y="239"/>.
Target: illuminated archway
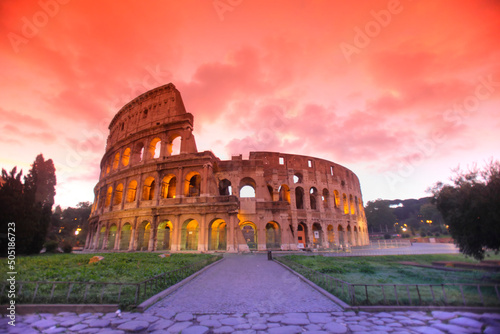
<point x="131" y="191"/>
<point x="168" y="186"/>
<point x="118" y="194"/>
<point x="331" y="236"/>
<point x="164" y="235"/>
<point x="341" y="235"/>
<point x="125" y="236"/>
<point x="284" y="192"/>
<point x="189" y="235"/>
<point x="148" y="190"/>
<point x="317" y="235"/>
<point x="273" y="235"/>
<point x="302" y="238"/>
<point x="249" y="231"/>
<point x="217" y="235"/>
<point x="143" y="236"/>
<point x="192" y="184"/>
<point x="112" y="237"/>
<point x="102" y="235"/>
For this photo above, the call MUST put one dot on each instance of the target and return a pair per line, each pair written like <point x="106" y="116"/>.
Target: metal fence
<point x="455" y="294"/>
<point x="125" y="294"/>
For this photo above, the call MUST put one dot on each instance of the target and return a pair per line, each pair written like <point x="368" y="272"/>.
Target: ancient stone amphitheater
<point x="157" y="192"/>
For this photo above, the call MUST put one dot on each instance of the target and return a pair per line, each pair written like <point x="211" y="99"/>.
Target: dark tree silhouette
<point x="28" y="205"/>
<point x="471" y="208"/>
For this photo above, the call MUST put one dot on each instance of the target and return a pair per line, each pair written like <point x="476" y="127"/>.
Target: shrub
<point x="423" y="234"/>
<point x="51" y="246"/>
<point x="405" y="235"/>
<point x="387" y="236"/>
<point x="67" y="247"/>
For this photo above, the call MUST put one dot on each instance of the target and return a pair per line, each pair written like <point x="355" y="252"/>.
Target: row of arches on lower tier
<point x="144" y="236"/>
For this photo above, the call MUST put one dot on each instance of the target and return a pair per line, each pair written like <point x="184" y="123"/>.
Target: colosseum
<point x="156" y="192"/>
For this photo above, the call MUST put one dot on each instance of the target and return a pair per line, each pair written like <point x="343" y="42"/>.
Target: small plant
<point x="51" y="246"/>
<point x="423" y="234"/>
<point x="387" y="236"/>
<point x="67" y="247"/>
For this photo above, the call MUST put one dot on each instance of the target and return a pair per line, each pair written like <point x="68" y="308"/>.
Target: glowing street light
<point x="78" y="231"/>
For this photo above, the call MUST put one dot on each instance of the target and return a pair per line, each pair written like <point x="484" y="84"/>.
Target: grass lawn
<point x="386" y="269"/>
<point x="115" y="267"/>
<point x="375" y="271"/>
<point x="125" y="268"/>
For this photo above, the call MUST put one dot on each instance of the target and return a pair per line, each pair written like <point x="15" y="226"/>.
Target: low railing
<point x="453" y="294"/>
<point x="125" y="294"/>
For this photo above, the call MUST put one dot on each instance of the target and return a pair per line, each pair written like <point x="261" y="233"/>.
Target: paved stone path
<point x="248" y="294"/>
<point x="246" y="283"/>
<point x="163" y="322"/>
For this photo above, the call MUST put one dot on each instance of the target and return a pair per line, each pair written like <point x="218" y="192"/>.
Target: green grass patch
<point x="387" y="270"/>
<point x="125" y="268"/>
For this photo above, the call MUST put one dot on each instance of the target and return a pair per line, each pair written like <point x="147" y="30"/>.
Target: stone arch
<point x="325" y="198"/>
<point x="138" y="153"/>
<point x="299" y="198"/>
<point x="217" y="235"/>
<point x="168" y="186"/>
<point x="284" y="192"/>
<point x="102" y="236"/>
<point x="174" y="145"/>
<point x="112" y="236"/>
<point x="154" y="148"/>
<point x="273" y="235"/>
<point x="270" y="190"/>
<point x="330" y="232"/>
<point x="116" y="161"/>
<point x="118" y="194"/>
<point x="143" y="231"/>
<point x="225" y="188"/>
<point x="346" y="205"/>
<point x="349" y="235"/>
<point x="249" y="230"/>
<point x="164" y="235"/>
<point x="353" y="207"/>
<point x="356" y="237"/>
<point x="125" y="234"/>
<point x="148" y="190"/>
<point x="189" y="235"/>
<point x="302" y="237"/>
<point x="109" y="194"/>
<point x="317" y="235"/>
<point x="247" y="187"/>
<point x="313" y="193"/>
<point x="131" y="191"/>
<point x="126" y="157"/>
<point x="340" y="230"/>
<point x="192" y="184"/>
<point x="336" y="198"/>
<point x="297" y="178"/>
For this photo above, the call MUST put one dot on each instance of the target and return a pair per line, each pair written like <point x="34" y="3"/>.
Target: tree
<point x="471" y="209"/>
<point x="379" y="215"/>
<point x="28" y="205"/>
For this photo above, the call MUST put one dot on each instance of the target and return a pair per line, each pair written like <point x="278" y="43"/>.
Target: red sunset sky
<point x="400" y="92"/>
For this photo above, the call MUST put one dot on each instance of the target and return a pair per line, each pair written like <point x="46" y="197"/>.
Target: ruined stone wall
<point x="157" y="192"/>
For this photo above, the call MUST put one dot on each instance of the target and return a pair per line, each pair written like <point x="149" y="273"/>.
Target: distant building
<point x="150" y="197"/>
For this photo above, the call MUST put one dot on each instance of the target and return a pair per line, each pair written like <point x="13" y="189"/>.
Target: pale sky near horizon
<point x="400" y="92"/>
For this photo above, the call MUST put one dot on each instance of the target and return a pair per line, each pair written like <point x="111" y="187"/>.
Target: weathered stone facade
<point x="150" y="197"/>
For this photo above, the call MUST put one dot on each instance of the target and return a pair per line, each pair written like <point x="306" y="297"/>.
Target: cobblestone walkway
<point x="162" y="322"/>
<point x="246" y="283"/>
